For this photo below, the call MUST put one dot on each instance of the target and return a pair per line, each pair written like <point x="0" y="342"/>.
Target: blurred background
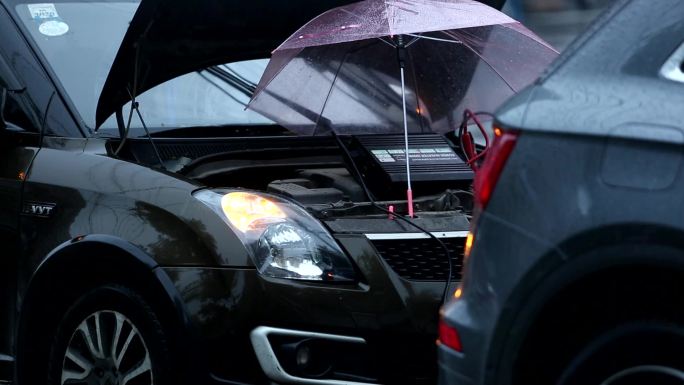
<point x="557" y="21"/>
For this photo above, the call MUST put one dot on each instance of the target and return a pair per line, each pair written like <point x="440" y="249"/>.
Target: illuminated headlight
<point x="285" y="241"/>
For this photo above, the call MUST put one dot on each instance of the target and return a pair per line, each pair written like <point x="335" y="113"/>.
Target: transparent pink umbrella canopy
<point x="341" y="72"/>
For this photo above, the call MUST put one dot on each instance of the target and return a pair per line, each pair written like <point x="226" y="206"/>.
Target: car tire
<point x="110" y="336"/>
<point x="648" y="352"/>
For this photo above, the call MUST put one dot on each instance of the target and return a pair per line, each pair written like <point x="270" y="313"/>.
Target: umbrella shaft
<point x="406" y="138"/>
<point x="409" y="191"/>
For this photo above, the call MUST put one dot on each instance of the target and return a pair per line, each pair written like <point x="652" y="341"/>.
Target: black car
<point x="576" y="271"/>
<point x="155" y="232"/>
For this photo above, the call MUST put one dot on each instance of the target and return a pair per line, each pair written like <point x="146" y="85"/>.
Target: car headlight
<point x="285" y="241"/>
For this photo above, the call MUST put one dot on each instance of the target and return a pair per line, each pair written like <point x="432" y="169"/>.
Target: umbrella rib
<point x="476" y="53"/>
<point x="418" y="37"/>
<point x="533" y="38"/>
<point x="260" y="89"/>
<point x="332" y="87"/>
<point x="492" y="67"/>
<point x="382" y="39"/>
<point x="417" y="91"/>
<point x="387" y="12"/>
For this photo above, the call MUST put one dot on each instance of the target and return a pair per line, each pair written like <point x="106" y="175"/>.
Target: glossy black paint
<point x="218" y="292"/>
<point x="119" y="221"/>
<point x="597" y="166"/>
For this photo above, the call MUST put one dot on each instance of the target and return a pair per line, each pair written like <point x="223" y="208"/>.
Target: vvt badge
<point x="39" y="209"/>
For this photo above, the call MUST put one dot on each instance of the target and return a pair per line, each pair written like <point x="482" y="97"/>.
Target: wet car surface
<point x="127" y="260"/>
<point x="570" y="279"/>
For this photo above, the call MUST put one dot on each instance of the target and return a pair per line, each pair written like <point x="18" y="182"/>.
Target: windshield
<point x="80" y="40"/>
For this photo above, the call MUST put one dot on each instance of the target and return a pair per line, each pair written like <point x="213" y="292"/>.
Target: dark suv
<point x="576" y="272"/>
<point x="155" y="232"/>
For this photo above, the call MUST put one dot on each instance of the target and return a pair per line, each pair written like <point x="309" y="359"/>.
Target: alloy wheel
<point x="107" y="349"/>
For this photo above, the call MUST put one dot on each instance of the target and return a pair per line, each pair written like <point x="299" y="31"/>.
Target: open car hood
<point x="169" y="38"/>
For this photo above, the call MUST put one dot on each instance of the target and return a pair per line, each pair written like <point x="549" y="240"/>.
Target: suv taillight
<point x="448" y="336"/>
<point x="497" y="155"/>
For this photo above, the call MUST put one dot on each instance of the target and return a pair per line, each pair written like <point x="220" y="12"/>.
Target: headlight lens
<point x="285" y="241"/>
<point x="248" y="211"/>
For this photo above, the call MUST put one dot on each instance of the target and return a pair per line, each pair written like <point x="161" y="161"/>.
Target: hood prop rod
<point x="135" y="106"/>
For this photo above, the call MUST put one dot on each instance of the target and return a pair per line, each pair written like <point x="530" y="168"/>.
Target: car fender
<point x="151" y="209"/>
<point x="650" y="245"/>
<point x="97" y="254"/>
<point x="108" y="248"/>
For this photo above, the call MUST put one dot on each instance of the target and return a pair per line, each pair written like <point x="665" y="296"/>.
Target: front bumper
<point x="456" y="368"/>
<point x="308" y="358"/>
<point x="394" y="317"/>
<point x="448" y="361"/>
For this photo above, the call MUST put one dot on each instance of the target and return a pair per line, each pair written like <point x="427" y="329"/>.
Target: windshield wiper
<point x="236" y="81"/>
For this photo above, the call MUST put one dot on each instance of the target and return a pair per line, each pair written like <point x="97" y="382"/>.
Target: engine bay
<point x="316" y="173"/>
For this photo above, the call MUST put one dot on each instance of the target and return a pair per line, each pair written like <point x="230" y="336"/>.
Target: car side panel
<point x="14" y="162"/>
<point x="557" y="186"/>
<point x="599" y="161"/>
<point x="17" y="151"/>
<point x="95" y="194"/>
<point x="553" y="190"/>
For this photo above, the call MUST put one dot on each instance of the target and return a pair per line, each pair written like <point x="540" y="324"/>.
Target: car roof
<point x="633" y="36"/>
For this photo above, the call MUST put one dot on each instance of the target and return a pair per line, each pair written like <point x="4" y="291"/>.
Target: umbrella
<point x="392" y="66"/>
